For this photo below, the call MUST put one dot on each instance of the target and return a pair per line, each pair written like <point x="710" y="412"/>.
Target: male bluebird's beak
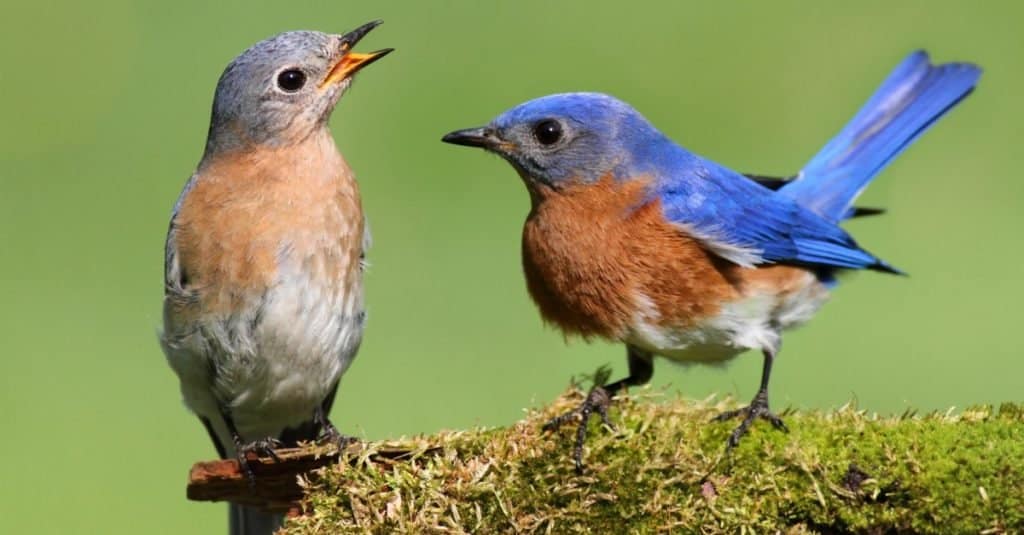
<point x="483" y="137"/>
<point x="351" y="62"/>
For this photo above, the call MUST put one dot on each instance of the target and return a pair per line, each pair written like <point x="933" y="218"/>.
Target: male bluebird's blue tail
<point x="914" y="96"/>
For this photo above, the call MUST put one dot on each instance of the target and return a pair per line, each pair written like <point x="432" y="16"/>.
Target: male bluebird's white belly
<point x="754" y="320"/>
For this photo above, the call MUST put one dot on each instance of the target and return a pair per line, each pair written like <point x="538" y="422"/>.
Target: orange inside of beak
<point x="348" y="65"/>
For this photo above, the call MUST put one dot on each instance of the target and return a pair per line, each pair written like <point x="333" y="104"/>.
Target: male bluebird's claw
<point x="597" y="400"/>
<point x="758" y="408"/>
<point x="600" y="397"/>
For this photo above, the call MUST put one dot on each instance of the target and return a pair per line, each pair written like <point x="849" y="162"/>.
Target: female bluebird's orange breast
<point x="596" y="255"/>
<point x="246" y="212"/>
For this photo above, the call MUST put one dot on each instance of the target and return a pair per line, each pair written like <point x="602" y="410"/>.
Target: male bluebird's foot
<point x="758" y="408"/>
<point x="600" y="397"/>
<point x="329" y="433"/>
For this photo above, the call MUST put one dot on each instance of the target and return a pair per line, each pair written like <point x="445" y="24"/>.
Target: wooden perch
<point x="278" y="485"/>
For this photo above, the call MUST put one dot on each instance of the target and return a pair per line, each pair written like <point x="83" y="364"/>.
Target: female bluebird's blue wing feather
<point x="910" y="100"/>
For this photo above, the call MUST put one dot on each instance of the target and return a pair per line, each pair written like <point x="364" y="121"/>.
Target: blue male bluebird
<point x="263" y="291"/>
<point x="634" y="239"/>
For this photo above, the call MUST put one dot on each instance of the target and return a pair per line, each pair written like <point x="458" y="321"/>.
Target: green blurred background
<point x="105" y="108"/>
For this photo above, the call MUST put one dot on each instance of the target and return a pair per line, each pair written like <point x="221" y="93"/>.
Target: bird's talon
<point x="758" y="408"/>
<point x="597" y="401"/>
<point x="263" y="447"/>
<point x="331" y="435"/>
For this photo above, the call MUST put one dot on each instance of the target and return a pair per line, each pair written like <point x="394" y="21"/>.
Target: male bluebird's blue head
<point x="569" y="138"/>
<point x="282" y="88"/>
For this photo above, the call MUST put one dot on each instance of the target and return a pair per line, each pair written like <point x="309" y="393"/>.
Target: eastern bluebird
<point x="634" y="239"/>
<point x="263" y="291"/>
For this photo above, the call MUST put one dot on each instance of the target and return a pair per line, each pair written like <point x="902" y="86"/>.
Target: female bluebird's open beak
<point x="351" y="62"/>
<point x="483" y="137"/>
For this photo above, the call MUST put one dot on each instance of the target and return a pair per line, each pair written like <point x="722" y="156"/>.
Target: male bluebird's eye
<point x="547" y="132"/>
<point x="291" y="80"/>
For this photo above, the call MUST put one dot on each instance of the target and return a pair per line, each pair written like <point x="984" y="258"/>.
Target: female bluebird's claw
<point x="333" y="436"/>
<point x="758" y="408"/>
<point x="597" y="400"/>
<point x="329" y="433"/>
<point x="262" y="448"/>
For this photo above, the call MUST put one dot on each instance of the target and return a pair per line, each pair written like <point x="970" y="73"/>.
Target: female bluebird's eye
<point x="547" y="132"/>
<point x="291" y="80"/>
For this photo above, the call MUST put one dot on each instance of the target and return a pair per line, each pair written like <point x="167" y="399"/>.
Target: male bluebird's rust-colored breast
<point x="597" y="256"/>
<point x="248" y="211"/>
<point x="593" y="254"/>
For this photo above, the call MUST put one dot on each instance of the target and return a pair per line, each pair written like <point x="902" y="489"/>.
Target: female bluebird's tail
<point x="914" y="96"/>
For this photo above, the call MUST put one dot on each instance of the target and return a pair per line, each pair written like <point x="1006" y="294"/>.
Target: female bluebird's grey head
<point x="567" y="138"/>
<point x="283" y="88"/>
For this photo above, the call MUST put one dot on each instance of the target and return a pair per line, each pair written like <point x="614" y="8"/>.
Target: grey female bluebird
<point x="263" y="290"/>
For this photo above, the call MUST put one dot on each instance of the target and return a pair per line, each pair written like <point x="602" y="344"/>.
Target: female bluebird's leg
<point x="263" y="447"/>
<point x="329" y="433"/>
<point x="758" y="408"/>
<point x="641" y="368"/>
<point x="318" y="428"/>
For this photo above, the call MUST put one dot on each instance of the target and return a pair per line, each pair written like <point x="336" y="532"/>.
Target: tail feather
<point x="910" y="100"/>
<point x="776" y="183"/>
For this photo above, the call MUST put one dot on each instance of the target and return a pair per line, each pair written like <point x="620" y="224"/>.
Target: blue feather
<point x="910" y="100"/>
<point x="746" y="223"/>
<point x="731" y="216"/>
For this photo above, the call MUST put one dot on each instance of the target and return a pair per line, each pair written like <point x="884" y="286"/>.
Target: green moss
<point x="664" y="469"/>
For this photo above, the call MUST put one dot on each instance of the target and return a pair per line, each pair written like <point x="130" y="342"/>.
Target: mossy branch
<point x="664" y="469"/>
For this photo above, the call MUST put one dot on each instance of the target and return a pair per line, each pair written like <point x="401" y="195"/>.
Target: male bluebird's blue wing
<point x="910" y="100"/>
<point x="749" y="224"/>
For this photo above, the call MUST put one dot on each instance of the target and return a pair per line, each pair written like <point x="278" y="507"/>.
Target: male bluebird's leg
<point x="641" y="368"/>
<point x="758" y="408"/>
<point x="262" y="447"/>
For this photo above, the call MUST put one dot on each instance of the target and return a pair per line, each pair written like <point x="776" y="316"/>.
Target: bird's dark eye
<point x="291" y="80"/>
<point x="548" y="132"/>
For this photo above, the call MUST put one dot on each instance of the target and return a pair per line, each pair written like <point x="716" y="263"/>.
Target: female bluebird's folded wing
<point x="748" y="224"/>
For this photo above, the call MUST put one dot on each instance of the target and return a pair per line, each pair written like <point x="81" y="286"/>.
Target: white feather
<point x="753" y="322"/>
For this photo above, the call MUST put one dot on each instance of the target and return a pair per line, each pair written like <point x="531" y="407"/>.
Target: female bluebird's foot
<point x="597" y="400"/>
<point x="329" y="433"/>
<point x="263" y="447"/>
<point x="758" y="408"/>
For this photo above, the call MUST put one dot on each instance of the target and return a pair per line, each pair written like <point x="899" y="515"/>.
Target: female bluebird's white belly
<point x="273" y="364"/>
<point x="264" y="303"/>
